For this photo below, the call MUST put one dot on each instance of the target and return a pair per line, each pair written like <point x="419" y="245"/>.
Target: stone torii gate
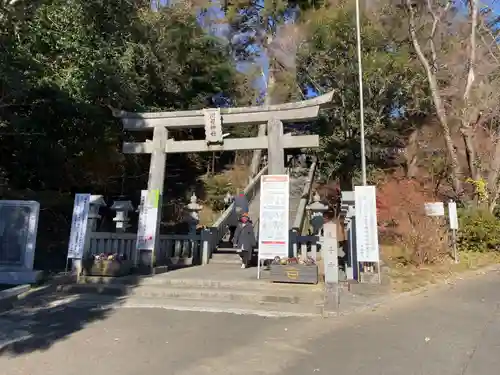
<point x="213" y="121"/>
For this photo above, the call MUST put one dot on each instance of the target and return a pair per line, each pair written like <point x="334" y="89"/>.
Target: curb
<point x="9" y="296"/>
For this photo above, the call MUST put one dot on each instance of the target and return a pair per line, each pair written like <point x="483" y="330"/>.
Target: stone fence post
<point x="95" y="204"/>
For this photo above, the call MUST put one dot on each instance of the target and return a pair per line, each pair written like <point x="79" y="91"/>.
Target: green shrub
<point x="216" y="187"/>
<point x="479" y="231"/>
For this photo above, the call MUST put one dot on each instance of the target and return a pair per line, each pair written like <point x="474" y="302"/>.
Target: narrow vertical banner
<point x="148" y="218"/>
<point x="79" y="220"/>
<point x="453" y="217"/>
<point x="452" y="214"/>
<point x="365" y="206"/>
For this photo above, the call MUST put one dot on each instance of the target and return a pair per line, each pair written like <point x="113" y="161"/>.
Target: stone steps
<point x="188" y="286"/>
<point x="106" y="302"/>
<point x="210" y="288"/>
<point x="221" y="258"/>
<point x="225" y="255"/>
<point x="279" y="302"/>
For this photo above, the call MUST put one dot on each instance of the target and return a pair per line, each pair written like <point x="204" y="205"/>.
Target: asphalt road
<point x="453" y="330"/>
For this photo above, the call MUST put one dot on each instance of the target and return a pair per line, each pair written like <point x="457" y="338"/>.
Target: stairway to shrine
<point x="226" y="254"/>
<point x="213" y="288"/>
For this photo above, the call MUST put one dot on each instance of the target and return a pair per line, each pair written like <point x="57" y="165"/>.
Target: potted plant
<point x="294" y="270"/>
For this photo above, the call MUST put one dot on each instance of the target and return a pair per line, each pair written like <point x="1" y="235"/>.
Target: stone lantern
<point x="95" y="204"/>
<point x="316" y="209"/>
<point x="121" y="219"/>
<point x="193" y="209"/>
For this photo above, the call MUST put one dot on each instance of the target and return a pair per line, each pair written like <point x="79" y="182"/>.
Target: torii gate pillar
<point x="275" y="149"/>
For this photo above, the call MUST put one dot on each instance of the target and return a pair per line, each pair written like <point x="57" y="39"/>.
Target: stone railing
<point x="305" y="197"/>
<point x="176" y="249"/>
<point x="298" y="225"/>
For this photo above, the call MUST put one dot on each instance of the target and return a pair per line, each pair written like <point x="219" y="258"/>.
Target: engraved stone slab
<point x="18" y="229"/>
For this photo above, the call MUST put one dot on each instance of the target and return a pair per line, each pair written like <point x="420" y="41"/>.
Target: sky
<point x="215" y="13"/>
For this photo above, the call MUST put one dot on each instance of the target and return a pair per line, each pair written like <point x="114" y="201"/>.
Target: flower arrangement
<point x="107" y="264"/>
<point x="309" y="261"/>
<point x="109" y="256"/>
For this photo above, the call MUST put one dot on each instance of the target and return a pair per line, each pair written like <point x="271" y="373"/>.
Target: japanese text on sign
<point x="148" y="218"/>
<point x="274" y="216"/>
<point x="365" y="205"/>
<point x="78" y="226"/>
<point x="213" y="125"/>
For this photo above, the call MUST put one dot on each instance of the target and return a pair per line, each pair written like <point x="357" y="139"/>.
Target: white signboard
<point x="274" y="216"/>
<point x="213" y="125"/>
<point x="78" y="226"/>
<point x="452" y="212"/>
<point x="365" y="205"/>
<point x="434" y="209"/>
<point x="148" y="218"/>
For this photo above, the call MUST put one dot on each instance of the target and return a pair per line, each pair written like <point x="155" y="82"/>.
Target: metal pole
<point x="454" y="239"/>
<point x="361" y="104"/>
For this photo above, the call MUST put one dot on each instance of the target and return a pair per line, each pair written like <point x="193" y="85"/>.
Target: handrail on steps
<point x="304" y="200"/>
<point x="219" y="226"/>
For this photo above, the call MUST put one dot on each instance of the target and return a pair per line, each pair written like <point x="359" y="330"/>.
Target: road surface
<point x="452" y="330"/>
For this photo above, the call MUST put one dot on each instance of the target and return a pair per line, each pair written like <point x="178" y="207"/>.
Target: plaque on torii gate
<point x="213" y="120"/>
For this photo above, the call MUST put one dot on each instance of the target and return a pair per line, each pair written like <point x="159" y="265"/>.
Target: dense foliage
<point x="63" y="64"/>
<point x="393" y="88"/>
<point x="479" y="231"/>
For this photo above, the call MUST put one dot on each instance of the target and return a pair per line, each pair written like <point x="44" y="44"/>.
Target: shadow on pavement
<point x="49" y="315"/>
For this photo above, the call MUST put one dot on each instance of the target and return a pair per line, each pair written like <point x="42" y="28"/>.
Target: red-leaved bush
<point x="402" y="220"/>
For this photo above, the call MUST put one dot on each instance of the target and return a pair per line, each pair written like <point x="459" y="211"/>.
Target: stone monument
<point x="18" y="229"/>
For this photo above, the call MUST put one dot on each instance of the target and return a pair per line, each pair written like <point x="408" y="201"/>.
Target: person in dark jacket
<point x="240" y="208"/>
<point x="244" y="240"/>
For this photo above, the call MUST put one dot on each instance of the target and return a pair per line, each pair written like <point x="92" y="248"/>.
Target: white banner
<point x="452" y="213"/>
<point x="365" y="205"/>
<point x="274" y="216"/>
<point x="79" y="226"/>
<point x="148" y="218"/>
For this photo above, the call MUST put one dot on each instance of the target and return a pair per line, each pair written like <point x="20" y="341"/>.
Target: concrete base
<point x="20" y="276"/>
<point x="370" y="278"/>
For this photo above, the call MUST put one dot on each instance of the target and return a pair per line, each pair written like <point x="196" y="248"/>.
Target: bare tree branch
<point x="438" y="101"/>
<point x="436" y="20"/>
<point x="472" y="50"/>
